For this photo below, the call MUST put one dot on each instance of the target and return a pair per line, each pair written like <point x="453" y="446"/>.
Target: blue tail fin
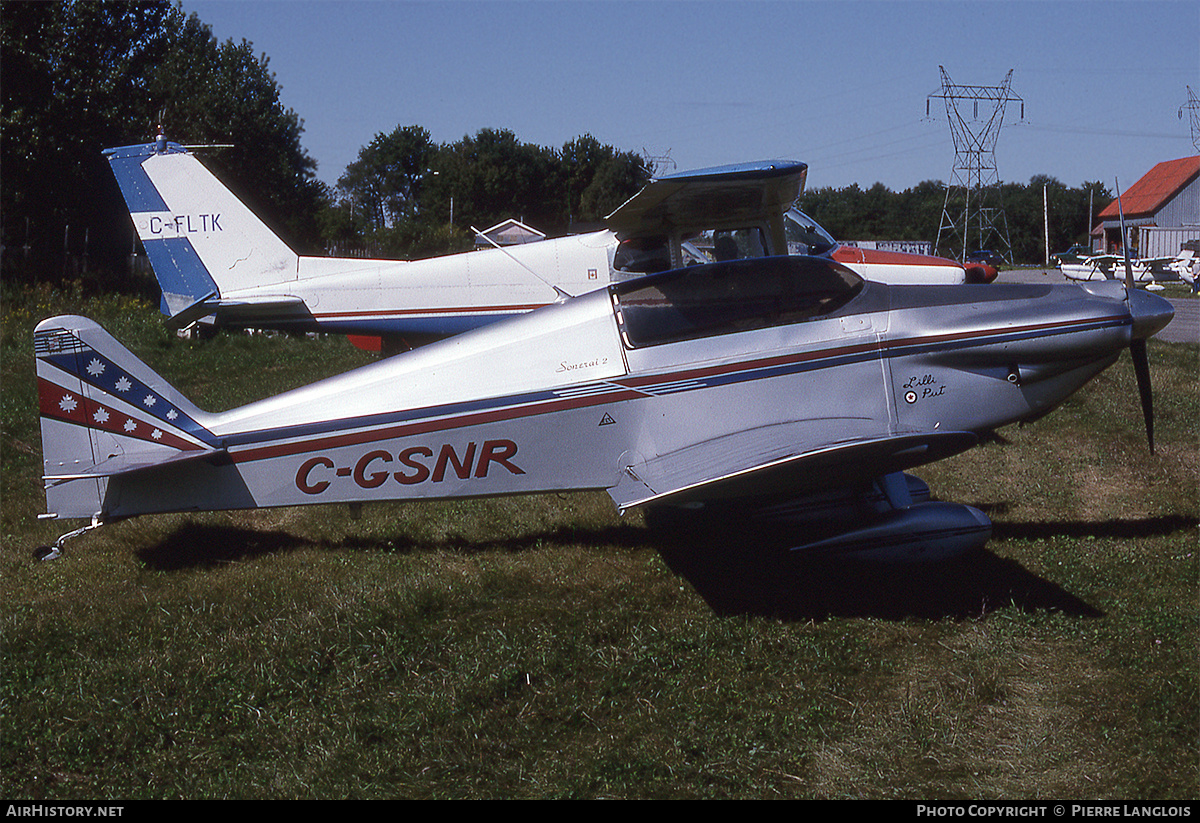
<point x="203" y="243"/>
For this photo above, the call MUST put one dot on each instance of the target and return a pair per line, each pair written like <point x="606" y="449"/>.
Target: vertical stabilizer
<point x="104" y="413"/>
<point x="201" y="240"/>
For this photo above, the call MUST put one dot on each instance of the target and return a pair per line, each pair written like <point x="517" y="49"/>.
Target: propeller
<point x="1137" y="347"/>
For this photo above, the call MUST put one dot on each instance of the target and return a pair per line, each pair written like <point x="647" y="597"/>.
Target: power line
<point x="658" y="163"/>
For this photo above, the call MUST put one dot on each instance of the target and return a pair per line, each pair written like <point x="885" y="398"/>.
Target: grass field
<point x="543" y="647"/>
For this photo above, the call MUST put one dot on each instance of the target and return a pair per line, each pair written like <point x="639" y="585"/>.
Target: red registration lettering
<point x="420" y="470"/>
<point x="360" y="470"/>
<point x="448" y="455"/>
<point x="497" y="451"/>
<point x="302" y="476"/>
<point x="415" y="466"/>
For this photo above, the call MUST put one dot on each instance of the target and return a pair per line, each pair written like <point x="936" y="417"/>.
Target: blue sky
<point x="840" y="85"/>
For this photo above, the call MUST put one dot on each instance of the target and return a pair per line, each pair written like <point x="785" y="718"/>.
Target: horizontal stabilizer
<point x="122" y="464"/>
<point x="265" y="308"/>
<point x="183" y="313"/>
<point x="104" y="413"/>
<point x="235" y="312"/>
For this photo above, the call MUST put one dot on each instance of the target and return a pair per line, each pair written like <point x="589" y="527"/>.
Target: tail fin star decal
<point x="155" y="417"/>
<point x="62" y="404"/>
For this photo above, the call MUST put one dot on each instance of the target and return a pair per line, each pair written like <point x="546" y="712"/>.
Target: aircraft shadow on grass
<point x="742" y="574"/>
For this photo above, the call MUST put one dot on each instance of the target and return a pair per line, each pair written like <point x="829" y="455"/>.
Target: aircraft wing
<point x="1184" y="256"/>
<point x="701" y="199"/>
<point x="761" y="463"/>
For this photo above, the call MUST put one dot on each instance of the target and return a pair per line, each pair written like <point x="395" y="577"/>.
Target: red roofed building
<point x="1162" y="211"/>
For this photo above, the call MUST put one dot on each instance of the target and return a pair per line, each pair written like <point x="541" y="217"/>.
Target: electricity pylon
<point x="973" y="215"/>
<point x="1193" y="108"/>
<point x="658" y="163"/>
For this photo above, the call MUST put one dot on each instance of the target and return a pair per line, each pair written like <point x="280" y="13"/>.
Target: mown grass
<point x="543" y="647"/>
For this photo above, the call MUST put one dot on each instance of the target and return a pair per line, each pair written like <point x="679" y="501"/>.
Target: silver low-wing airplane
<point x="218" y="263"/>
<point x="784" y="387"/>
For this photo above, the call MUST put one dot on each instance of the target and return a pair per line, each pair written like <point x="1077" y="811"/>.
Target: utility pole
<point x="972" y="215"/>
<point x="1046" y="221"/>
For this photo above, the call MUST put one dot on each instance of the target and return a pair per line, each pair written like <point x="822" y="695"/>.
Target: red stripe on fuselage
<point x="633" y="384"/>
<point x="427" y="312"/>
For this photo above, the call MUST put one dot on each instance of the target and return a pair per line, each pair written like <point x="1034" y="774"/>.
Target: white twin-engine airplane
<point x="218" y="263"/>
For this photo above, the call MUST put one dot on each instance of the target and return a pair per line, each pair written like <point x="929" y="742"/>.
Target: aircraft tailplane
<point x="202" y="241"/>
<point x="106" y="414"/>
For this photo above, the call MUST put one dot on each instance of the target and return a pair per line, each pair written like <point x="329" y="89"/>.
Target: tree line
<point x="405" y="196"/>
<point x="84" y="75"/>
<point x="1044" y="212"/>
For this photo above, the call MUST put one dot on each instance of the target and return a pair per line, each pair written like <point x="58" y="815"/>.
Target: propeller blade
<point x="1141" y="368"/>
<point x="1124" y="238"/>
<point x="1137" y="348"/>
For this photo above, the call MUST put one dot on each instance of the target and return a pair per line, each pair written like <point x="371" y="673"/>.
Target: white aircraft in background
<point x="218" y="264"/>
<point x="1186" y="267"/>
<point x="1182" y="266"/>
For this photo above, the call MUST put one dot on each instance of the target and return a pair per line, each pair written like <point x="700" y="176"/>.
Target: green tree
<point x="921" y="211"/>
<point x="618" y="178"/>
<point x="494" y="176"/>
<point x="85" y="75"/>
<point x="405" y="197"/>
<point x="384" y="183"/>
<point x="74" y="77"/>
<point x="233" y="99"/>
<point x="597" y="178"/>
<point x="851" y="213"/>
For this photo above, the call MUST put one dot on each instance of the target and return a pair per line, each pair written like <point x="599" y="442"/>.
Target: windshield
<point x="735" y="296"/>
<point x="651" y="254"/>
<point x="805" y="235"/>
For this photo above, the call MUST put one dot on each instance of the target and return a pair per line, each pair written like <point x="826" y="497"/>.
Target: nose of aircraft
<point x="1151" y="313"/>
